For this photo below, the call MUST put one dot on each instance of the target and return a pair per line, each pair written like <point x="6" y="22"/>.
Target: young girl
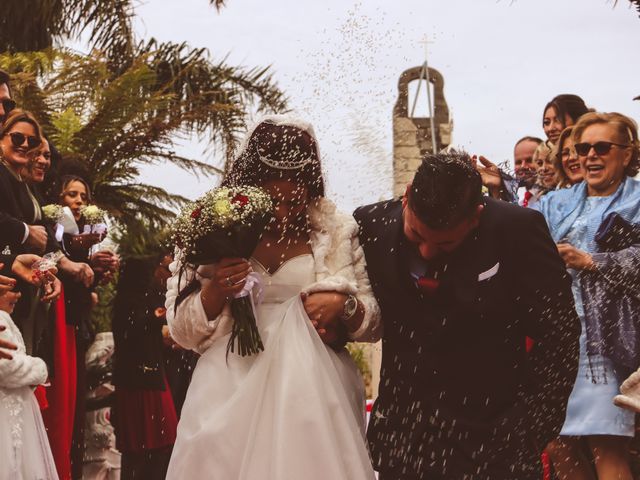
<point x="296" y="409"/>
<point x="24" y="448"/>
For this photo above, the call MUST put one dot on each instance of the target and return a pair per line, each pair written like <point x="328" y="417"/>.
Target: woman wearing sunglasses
<point x="607" y="148"/>
<point x="20" y="136"/>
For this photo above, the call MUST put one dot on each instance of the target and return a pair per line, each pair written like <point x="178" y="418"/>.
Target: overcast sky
<point x="338" y="61"/>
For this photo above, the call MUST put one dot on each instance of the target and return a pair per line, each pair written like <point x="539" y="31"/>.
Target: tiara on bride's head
<point x="283" y="164"/>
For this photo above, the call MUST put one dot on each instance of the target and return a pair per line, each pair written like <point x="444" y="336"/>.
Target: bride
<point x="296" y="409"/>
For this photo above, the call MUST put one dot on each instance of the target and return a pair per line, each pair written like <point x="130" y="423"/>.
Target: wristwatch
<point x="350" y="308"/>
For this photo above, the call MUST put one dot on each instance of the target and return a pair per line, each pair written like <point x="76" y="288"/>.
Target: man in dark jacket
<point x="462" y="280"/>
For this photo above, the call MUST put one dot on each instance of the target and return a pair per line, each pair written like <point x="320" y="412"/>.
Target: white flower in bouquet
<point x="93" y="215"/>
<point x="218" y="209"/>
<point x="53" y="212"/>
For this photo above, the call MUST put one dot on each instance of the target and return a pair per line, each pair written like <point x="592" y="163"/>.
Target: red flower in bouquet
<point x="196" y="213"/>
<point x="240" y="199"/>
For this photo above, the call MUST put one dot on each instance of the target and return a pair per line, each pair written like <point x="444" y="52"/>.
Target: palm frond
<point x="30" y="25"/>
<point x="218" y="4"/>
<point x="118" y="121"/>
<point x="634" y="3"/>
<point x="110" y="24"/>
<point x="135" y="200"/>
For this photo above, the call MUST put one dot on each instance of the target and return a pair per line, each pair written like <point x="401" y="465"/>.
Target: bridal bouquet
<point x="226" y="222"/>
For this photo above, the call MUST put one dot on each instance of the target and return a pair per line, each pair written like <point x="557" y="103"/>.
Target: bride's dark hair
<point x="283" y="147"/>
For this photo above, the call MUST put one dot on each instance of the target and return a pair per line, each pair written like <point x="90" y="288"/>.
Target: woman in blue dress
<point x="607" y="145"/>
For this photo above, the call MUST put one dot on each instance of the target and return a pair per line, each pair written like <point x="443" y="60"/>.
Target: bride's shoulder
<point x="325" y="216"/>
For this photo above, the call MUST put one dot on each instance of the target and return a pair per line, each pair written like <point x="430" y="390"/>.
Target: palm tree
<point x="32" y="25"/>
<point x="116" y="123"/>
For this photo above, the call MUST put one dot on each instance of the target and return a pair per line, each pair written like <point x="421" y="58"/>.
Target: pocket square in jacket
<point x="489" y="273"/>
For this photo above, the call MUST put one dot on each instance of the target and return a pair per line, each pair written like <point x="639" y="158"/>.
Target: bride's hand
<point x="229" y="277"/>
<point x="227" y="280"/>
<point x="324" y="309"/>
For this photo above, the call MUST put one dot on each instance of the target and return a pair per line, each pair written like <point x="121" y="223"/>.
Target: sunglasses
<point x="601" y="148"/>
<point x="8" y="105"/>
<point x="17" y="139"/>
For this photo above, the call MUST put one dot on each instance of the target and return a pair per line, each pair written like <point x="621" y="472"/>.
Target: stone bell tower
<point x="415" y="136"/>
<point x="412" y="138"/>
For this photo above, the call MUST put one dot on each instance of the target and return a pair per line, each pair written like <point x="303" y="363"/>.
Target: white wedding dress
<point x="292" y="412"/>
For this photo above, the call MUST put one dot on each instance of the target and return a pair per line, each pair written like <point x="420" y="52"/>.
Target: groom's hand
<point x="324" y="309"/>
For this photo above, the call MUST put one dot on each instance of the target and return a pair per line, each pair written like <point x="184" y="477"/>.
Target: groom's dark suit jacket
<point x="459" y="396"/>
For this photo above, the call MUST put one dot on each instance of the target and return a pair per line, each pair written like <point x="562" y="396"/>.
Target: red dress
<point x="61" y="395"/>
<point x="145" y="420"/>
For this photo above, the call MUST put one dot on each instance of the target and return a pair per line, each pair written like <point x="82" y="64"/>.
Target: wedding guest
<point x="566" y="160"/>
<point x="520" y="188"/>
<point x="75" y="193"/>
<point x="315" y="287"/>
<point x="21" y="215"/>
<point x="37" y="167"/>
<point x="547" y="176"/>
<point x="61" y="394"/>
<point x="20" y="138"/>
<point x="608" y="148"/>
<point x="65" y="417"/>
<point x="24" y="448"/>
<point x="20" y="135"/>
<point x="524" y="166"/>
<point x="459" y="395"/>
<point x="7" y="104"/>
<point x="561" y="112"/>
<point x="145" y="415"/>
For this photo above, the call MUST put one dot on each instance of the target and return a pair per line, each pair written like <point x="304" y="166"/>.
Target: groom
<point x="462" y="280"/>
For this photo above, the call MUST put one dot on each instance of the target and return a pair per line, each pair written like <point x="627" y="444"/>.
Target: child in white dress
<point x="24" y="448"/>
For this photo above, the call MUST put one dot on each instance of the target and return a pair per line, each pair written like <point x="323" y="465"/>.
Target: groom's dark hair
<point x="446" y="189"/>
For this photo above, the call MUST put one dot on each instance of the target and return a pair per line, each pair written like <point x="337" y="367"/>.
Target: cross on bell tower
<point x="426" y="81"/>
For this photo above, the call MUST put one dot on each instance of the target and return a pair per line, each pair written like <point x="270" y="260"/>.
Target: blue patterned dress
<point x="590" y="410"/>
